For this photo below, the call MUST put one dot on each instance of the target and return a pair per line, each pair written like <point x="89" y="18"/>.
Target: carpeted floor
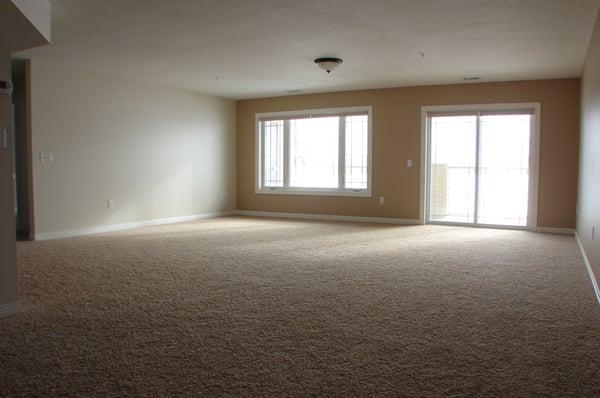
<point x="257" y="307"/>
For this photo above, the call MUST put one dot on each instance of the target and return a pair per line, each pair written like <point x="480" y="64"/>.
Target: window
<point x="316" y="152"/>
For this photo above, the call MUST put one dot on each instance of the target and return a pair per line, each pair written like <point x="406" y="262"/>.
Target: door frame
<point x="534" y="158"/>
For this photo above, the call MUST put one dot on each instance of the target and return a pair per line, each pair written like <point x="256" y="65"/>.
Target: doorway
<point x="22" y="150"/>
<point x="481" y="165"/>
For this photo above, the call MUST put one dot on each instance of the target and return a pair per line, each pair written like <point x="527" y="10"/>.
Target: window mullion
<point x="342" y="153"/>
<point x="286" y="154"/>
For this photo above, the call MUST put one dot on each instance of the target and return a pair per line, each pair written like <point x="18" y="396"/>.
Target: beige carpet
<point x="256" y="307"/>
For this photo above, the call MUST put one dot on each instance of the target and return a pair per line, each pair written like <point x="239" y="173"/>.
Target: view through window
<point x="479" y="168"/>
<point x="317" y="152"/>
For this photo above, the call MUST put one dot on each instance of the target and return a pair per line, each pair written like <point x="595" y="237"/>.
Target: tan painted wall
<point x="8" y="269"/>
<point x="157" y="152"/>
<point x="28" y="23"/>
<point x="16" y="33"/>
<point x="396" y="138"/>
<point x="38" y="14"/>
<point x="589" y="179"/>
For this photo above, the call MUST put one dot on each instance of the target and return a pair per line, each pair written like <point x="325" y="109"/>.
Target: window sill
<point x="314" y="192"/>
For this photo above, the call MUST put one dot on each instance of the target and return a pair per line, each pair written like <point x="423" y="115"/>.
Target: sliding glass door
<point x="479" y="168"/>
<point x="504" y="169"/>
<point x="452" y="168"/>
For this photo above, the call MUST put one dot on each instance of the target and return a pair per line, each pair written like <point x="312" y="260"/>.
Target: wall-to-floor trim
<point x="328" y="217"/>
<point x="554" y="230"/>
<point x="589" y="268"/>
<point x="118" y="227"/>
<point x="252" y="213"/>
<point x="378" y="220"/>
<point x="10" y="309"/>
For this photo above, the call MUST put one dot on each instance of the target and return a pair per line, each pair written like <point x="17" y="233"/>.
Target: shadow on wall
<point x="174" y="188"/>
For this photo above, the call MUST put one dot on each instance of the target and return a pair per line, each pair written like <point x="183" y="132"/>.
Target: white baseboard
<point x="275" y="214"/>
<point x="589" y="268"/>
<point x="553" y="230"/>
<point x="10" y="309"/>
<point x="327" y="217"/>
<point x="118" y="227"/>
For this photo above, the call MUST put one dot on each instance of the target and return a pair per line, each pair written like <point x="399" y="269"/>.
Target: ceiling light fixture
<point x="328" y="64"/>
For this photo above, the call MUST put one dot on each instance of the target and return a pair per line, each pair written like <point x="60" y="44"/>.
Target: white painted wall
<point x="156" y="152"/>
<point x="588" y="215"/>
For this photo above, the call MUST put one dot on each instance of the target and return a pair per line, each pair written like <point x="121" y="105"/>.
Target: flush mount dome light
<point x="328" y="64"/>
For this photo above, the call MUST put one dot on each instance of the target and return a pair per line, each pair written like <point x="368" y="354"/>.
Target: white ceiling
<point x="259" y="48"/>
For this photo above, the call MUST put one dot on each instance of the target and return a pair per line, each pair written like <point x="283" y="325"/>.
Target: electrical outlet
<point x="381" y="200"/>
<point x="110" y="204"/>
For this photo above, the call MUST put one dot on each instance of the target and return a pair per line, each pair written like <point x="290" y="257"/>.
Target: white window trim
<point x="534" y="158"/>
<point x="314" y="191"/>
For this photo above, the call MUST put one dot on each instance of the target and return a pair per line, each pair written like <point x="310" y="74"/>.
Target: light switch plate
<point x="409" y="163"/>
<point x="46" y="157"/>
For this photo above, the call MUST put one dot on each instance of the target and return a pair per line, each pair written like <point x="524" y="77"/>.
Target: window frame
<point x="341" y="191"/>
<point x="532" y="108"/>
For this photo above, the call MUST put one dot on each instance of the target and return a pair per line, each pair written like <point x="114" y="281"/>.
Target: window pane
<point x="273" y="153"/>
<point x="314" y="152"/>
<point x="504" y="170"/>
<point x="357" y="135"/>
<point x="452" y="170"/>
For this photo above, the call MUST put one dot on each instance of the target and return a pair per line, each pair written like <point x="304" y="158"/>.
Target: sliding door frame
<point x="476" y="109"/>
